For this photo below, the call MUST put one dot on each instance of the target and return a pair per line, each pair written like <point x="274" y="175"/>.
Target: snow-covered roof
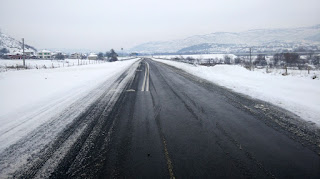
<point x="26" y="50"/>
<point x="20" y="51"/>
<point x="46" y="51"/>
<point x="15" y="53"/>
<point x="92" y="55"/>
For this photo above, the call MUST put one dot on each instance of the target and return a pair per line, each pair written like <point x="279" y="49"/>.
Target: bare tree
<point x="190" y="60"/>
<point x="227" y="59"/>
<point x="310" y="56"/>
<point x="316" y="60"/>
<point x="112" y="56"/>
<point x="291" y="58"/>
<point x="277" y="58"/>
<point x="237" y="60"/>
<point x="60" y="56"/>
<point x="260" y="60"/>
<point x="100" y="55"/>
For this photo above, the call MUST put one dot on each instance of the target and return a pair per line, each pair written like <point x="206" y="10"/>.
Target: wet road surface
<point x="166" y="123"/>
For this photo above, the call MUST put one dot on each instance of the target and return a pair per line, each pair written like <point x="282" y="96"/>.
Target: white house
<point x="75" y="56"/>
<point x="28" y="52"/>
<point x="92" y="56"/>
<point x="44" y="54"/>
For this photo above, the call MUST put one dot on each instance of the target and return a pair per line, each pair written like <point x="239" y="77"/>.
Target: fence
<point x="6" y="65"/>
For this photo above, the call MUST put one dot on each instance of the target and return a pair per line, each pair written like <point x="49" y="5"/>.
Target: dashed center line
<point x="131" y="90"/>
<point x="145" y="84"/>
<point x="148" y="77"/>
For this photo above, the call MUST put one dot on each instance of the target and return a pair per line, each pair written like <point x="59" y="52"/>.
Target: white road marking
<point x="148" y="77"/>
<point x="145" y="84"/>
<point x="144" y="80"/>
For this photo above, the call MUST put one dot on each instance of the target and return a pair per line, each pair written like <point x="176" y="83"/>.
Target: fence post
<point x="286" y="70"/>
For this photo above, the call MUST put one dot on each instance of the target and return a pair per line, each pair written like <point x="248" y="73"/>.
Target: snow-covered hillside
<point x="12" y="44"/>
<point x="274" y="38"/>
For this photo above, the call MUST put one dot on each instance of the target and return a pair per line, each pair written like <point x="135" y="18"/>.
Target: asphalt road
<point x="166" y="123"/>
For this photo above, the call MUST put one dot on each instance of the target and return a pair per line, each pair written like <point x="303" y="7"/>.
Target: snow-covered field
<point x="297" y="92"/>
<point x="8" y="64"/>
<point x="30" y="98"/>
<point x="294" y="71"/>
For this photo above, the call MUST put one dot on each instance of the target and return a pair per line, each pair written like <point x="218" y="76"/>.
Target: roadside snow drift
<point x="30" y="97"/>
<point x="298" y="94"/>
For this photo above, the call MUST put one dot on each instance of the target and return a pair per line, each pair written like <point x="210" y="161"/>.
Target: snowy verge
<point x="29" y="98"/>
<point x="300" y="95"/>
<point x="12" y="64"/>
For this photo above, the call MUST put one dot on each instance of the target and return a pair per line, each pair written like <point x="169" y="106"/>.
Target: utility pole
<point x="24" y="61"/>
<point x="122" y="51"/>
<point x="250" y="61"/>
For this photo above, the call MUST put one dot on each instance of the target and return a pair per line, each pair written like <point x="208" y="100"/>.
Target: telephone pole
<point x="24" y="61"/>
<point x="250" y="61"/>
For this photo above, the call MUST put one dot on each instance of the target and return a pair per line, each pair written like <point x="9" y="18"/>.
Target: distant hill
<point x="12" y="44"/>
<point x="262" y="39"/>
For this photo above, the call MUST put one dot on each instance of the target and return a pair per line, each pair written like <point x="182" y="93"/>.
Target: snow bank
<point x="299" y="94"/>
<point x="27" y="93"/>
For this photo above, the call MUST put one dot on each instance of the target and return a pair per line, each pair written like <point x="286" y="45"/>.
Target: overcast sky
<point x="103" y="24"/>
